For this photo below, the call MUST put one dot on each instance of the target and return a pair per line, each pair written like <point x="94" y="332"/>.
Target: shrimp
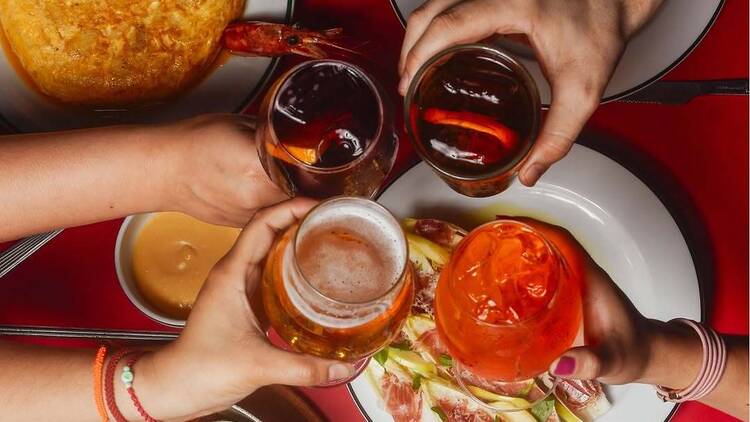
<point x="271" y="40"/>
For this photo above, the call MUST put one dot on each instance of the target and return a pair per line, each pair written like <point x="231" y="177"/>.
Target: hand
<point x="617" y="336"/>
<point x="621" y="345"/>
<point x="222" y="354"/>
<point x="578" y="44"/>
<point x="217" y="175"/>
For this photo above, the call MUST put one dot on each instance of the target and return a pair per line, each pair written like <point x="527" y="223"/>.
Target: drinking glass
<point x="506" y="306"/>
<point x="326" y="129"/>
<point x="339" y="285"/>
<point x="472" y="112"/>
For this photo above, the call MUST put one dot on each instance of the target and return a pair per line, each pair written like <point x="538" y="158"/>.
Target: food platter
<point x="677" y="27"/>
<point x="229" y="87"/>
<point x="616" y="217"/>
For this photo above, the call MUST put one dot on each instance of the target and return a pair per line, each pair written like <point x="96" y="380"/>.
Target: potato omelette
<point x="106" y="52"/>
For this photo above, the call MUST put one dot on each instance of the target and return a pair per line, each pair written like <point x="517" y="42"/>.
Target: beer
<point x="473" y="113"/>
<point x="338" y="285"/>
<point x="506" y="304"/>
<point x="326" y="130"/>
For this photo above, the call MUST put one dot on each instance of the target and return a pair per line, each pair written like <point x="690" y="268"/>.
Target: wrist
<point x="675" y="355"/>
<point x="166" y="171"/>
<point x="154" y="385"/>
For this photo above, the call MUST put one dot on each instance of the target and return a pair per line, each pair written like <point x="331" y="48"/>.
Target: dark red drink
<point x="473" y="116"/>
<point x="326" y="132"/>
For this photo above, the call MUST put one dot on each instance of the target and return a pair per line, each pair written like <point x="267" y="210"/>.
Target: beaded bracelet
<point x="712" y="367"/>
<point x="109" y="385"/>
<point x="98" y="374"/>
<point x="127" y="377"/>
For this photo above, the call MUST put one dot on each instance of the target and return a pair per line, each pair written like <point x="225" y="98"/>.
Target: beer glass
<point x="339" y="285"/>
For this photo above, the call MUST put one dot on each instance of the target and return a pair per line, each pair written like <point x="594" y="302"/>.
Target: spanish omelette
<point x="104" y="52"/>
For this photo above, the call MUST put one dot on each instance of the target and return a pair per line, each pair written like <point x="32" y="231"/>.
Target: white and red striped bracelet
<point x="712" y="367"/>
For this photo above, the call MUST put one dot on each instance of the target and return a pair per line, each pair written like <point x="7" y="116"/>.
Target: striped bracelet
<point x="712" y="367"/>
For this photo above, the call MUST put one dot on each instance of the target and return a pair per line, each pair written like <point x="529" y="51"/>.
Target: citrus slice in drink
<point x="308" y="156"/>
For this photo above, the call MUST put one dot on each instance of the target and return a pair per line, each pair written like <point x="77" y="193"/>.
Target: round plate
<point x="673" y="32"/>
<point x="622" y="224"/>
<point x="228" y="88"/>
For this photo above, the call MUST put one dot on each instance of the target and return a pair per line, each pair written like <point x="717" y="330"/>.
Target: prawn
<point x="252" y="38"/>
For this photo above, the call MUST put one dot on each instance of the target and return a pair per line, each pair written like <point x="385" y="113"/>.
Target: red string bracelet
<point x="109" y="385"/>
<point x="101" y="354"/>
<point x="127" y="377"/>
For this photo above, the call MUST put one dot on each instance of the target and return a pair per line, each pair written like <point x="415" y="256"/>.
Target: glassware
<point x="339" y="285"/>
<point x="506" y="306"/>
<point x="326" y="129"/>
<point x="473" y="113"/>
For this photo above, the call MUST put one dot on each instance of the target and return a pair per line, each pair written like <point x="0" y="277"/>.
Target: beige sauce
<point x="172" y="257"/>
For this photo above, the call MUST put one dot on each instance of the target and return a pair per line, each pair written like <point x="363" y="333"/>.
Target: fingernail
<point x="339" y="371"/>
<point x="403" y="85"/>
<point x="533" y="174"/>
<point x="565" y="366"/>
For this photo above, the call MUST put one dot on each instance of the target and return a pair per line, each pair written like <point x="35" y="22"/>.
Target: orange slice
<point x="308" y="156"/>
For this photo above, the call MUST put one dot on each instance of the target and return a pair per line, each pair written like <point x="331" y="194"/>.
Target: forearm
<point x="39" y="382"/>
<point x="65" y="179"/>
<point x="676" y="355"/>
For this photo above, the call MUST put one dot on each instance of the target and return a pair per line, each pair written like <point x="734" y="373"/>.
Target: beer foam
<point x="350" y="254"/>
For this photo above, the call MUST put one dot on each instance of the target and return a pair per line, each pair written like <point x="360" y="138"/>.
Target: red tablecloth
<point x="694" y="156"/>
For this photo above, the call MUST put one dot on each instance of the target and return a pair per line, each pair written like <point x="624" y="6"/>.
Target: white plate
<point x="673" y="32"/>
<point x="228" y="88"/>
<point x="622" y="224"/>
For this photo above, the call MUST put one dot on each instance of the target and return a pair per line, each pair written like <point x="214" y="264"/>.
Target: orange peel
<point x="308" y="156"/>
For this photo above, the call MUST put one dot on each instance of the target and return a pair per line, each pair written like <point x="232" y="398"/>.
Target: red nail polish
<point x="565" y="366"/>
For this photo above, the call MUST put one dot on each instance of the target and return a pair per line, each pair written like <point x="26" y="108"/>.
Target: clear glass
<point x="356" y="317"/>
<point x="506" y="306"/>
<point x="472" y="112"/>
<point x="326" y="129"/>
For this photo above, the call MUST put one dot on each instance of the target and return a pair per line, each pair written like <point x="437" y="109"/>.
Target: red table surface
<point x="694" y="156"/>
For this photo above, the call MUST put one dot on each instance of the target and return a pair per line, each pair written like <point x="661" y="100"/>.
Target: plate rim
<point x="642" y="85"/>
<point x="683" y="232"/>
<point x="251" y="96"/>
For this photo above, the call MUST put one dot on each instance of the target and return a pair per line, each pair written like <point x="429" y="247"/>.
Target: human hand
<point x="222" y="355"/>
<point x="617" y="336"/>
<point x="216" y="174"/>
<point x="621" y="345"/>
<point x="577" y="42"/>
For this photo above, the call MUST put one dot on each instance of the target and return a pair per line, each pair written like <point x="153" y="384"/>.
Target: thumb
<point x="577" y="363"/>
<point x="572" y="105"/>
<point x="297" y="369"/>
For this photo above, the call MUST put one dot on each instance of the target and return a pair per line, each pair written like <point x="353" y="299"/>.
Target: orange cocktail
<point x="507" y="304"/>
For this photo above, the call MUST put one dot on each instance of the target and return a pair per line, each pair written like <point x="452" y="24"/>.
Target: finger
<point x="573" y="102"/>
<point x="417" y="22"/>
<point x="280" y="367"/>
<point x="255" y="300"/>
<point x="256" y="238"/>
<point x="464" y="22"/>
<point x="247" y="121"/>
<point x="578" y="363"/>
